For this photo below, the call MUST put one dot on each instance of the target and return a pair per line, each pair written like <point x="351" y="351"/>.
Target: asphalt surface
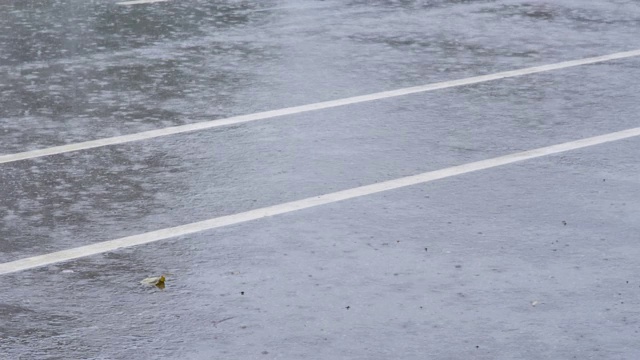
<point x="531" y="260"/>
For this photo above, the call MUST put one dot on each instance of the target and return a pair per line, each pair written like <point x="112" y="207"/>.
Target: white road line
<point x="136" y="2"/>
<point x="305" y="108"/>
<point x="153" y="236"/>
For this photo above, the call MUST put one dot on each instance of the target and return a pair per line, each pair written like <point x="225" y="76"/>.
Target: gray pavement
<point x="532" y="260"/>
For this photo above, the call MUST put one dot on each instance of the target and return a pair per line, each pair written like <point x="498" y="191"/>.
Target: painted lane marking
<point x="136" y="2"/>
<point x="157" y="235"/>
<point x="305" y="108"/>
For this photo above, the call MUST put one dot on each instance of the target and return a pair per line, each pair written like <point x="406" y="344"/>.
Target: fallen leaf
<point x="157" y="281"/>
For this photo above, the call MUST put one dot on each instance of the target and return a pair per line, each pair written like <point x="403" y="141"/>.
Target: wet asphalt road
<point x="444" y="270"/>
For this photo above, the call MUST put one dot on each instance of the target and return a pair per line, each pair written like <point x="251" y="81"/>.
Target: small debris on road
<point x="157" y="281"/>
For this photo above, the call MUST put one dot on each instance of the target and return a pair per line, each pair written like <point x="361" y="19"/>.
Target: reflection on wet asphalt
<point x="72" y="71"/>
<point x="121" y="69"/>
<point x="447" y="270"/>
<point x="80" y="198"/>
<point x="495" y="244"/>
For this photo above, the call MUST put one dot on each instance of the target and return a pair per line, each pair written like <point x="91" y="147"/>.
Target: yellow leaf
<point x="157" y="281"/>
